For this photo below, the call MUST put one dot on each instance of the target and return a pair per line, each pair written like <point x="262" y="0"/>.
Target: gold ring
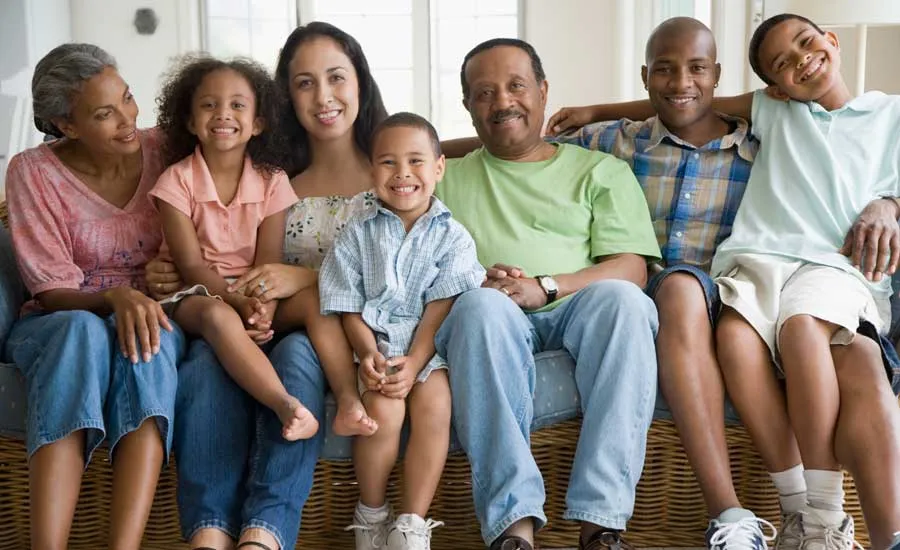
<point x="504" y="291"/>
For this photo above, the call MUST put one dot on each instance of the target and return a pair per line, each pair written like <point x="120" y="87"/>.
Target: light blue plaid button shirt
<point x="693" y="192"/>
<point x="388" y="275"/>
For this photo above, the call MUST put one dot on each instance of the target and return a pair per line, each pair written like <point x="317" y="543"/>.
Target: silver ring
<point x="262" y="285"/>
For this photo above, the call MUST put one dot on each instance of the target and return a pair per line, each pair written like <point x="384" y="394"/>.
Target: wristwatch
<point x="549" y="286"/>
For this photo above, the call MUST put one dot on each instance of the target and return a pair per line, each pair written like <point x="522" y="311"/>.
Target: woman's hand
<point x="162" y="278"/>
<point x="138" y="318"/>
<point x="274" y="281"/>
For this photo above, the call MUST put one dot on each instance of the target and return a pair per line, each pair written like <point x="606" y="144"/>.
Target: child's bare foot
<point x="351" y="419"/>
<point x="298" y="422"/>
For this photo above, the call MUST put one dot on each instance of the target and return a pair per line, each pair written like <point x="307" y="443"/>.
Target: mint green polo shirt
<point x="549" y="217"/>
<point x="815" y="173"/>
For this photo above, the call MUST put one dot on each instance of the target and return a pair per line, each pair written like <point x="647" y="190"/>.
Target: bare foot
<point x="255" y="534"/>
<point x="351" y="418"/>
<point x="298" y="422"/>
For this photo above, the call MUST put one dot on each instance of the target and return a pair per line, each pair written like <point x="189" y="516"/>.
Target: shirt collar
<point x="251" y="187"/>
<point x="437" y="211"/>
<point x="739" y="137"/>
<point x="866" y="103"/>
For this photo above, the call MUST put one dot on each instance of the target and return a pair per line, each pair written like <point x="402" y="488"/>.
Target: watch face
<point x="549" y="284"/>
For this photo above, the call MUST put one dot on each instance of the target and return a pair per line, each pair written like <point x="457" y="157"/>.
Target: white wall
<point x="142" y="58"/>
<point x="593" y="50"/>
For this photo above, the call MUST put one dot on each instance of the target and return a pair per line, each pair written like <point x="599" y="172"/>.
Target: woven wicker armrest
<point x="4" y="214"/>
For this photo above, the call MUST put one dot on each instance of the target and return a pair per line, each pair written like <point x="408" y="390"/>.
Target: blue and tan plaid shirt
<point x="388" y="275"/>
<point x="693" y="192"/>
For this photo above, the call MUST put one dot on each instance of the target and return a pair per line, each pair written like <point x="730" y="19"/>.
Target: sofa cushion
<point x="12" y="293"/>
<point x="555" y="400"/>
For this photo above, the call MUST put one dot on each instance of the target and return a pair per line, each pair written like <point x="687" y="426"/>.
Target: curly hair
<point x="371" y="106"/>
<point x="269" y="151"/>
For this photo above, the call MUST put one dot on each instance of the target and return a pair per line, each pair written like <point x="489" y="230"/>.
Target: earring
<point x="646" y="87"/>
<point x="716" y="85"/>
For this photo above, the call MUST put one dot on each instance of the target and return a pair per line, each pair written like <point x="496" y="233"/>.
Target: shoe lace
<point x="744" y="533"/>
<point x="791" y="533"/>
<point x="833" y="538"/>
<point x="377" y="532"/>
<point x="423" y="530"/>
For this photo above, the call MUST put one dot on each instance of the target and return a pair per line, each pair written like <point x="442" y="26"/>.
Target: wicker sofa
<point x="669" y="509"/>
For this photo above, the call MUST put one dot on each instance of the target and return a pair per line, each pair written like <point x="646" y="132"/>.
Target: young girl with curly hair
<point x="222" y="202"/>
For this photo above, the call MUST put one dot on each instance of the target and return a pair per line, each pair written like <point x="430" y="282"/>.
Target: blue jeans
<point x="609" y="329"/>
<point x="77" y="379"/>
<point x="235" y="471"/>
<point x="710" y="290"/>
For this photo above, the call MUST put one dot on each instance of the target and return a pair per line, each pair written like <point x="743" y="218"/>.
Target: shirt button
<point x="696" y="155"/>
<point x="679" y="234"/>
<point x="687" y="195"/>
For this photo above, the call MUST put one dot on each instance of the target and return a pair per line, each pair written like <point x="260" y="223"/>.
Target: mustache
<point x="500" y="116"/>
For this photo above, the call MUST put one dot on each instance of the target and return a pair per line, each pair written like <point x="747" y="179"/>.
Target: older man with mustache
<point x="568" y="234"/>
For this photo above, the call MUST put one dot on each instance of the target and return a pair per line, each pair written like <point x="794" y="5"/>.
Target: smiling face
<point x="505" y="99"/>
<point x="801" y="61"/>
<point x="104" y="115"/>
<point x="680" y="76"/>
<point x="405" y="170"/>
<point x="324" y="89"/>
<point x="223" y="112"/>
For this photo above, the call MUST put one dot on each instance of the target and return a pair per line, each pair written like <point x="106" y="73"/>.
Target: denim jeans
<point x="235" y="471"/>
<point x="609" y="329"/>
<point x="77" y="379"/>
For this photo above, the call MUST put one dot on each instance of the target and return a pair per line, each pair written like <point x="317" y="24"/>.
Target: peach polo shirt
<point x="227" y="233"/>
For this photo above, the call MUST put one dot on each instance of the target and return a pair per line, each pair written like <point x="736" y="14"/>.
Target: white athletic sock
<point x="791" y="489"/>
<point x="373" y="515"/>
<point x="825" y="494"/>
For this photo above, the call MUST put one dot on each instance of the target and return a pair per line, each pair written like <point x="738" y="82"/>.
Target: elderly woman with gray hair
<point x="98" y="355"/>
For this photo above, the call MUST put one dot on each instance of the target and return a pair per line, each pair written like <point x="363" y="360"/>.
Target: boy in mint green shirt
<point x="791" y="296"/>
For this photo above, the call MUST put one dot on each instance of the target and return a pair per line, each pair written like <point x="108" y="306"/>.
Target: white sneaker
<point x="738" y="529"/>
<point x="818" y="535"/>
<point x="370" y="536"/>
<point x="790" y="537"/>
<point x="411" y="532"/>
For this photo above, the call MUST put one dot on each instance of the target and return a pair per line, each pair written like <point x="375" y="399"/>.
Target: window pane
<point x="391" y="50"/>
<point x="272" y="9"/>
<point x="452" y="119"/>
<point x="266" y="39"/>
<point x="504" y="26"/>
<point x="455" y="8"/>
<point x="498" y="7"/>
<point x="324" y="8"/>
<point x="454" y="39"/>
<point x="228" y="37"/>
<point x="396" y="89"/>
<point x="227" y="8"/>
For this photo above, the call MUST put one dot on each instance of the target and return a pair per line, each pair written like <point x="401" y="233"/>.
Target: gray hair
<point x="58" y="77"/>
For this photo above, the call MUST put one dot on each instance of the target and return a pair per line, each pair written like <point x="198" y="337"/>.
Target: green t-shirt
<point x="549" y="217"/>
